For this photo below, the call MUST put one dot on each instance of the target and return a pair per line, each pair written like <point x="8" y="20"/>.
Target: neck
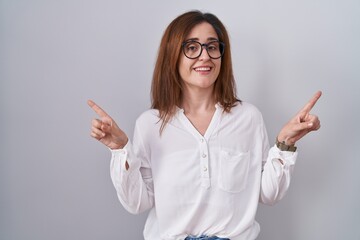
<point x="197" y="102"/>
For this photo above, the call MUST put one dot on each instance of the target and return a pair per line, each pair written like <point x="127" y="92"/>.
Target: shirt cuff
<point x="288" y="158"/>
<point x="121" y="156"/>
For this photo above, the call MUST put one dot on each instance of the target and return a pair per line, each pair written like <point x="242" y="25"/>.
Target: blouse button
<point x="204" y="155"/>
<point x="205" y="168"/>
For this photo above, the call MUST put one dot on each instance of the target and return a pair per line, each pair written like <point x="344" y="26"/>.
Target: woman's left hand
<point x="301" y="124"/>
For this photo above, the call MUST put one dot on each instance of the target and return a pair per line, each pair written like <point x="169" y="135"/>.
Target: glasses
<point x="193" y="49"/>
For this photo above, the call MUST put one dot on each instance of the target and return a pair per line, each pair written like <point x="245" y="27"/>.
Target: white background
<point x="54" y="55"/>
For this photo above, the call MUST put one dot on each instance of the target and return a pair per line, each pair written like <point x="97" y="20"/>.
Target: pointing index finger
<point x="97" y="109"/>
<point x="307" y="108"/>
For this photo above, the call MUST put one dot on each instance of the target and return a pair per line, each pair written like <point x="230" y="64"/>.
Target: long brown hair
<point x="166" y="89"/>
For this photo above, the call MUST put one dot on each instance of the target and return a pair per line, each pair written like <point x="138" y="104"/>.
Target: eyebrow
<point x="197" y="39"/>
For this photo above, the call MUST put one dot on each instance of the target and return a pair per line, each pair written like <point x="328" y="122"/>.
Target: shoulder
<point x="150" y="116"/>
<point x="244" y="111"/>
<point x="245" y="108"/>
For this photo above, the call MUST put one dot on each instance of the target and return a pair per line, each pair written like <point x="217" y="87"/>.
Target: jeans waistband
<point x="205" y="238"/>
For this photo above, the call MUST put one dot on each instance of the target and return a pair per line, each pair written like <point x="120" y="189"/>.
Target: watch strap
<point x="283" y="147"/>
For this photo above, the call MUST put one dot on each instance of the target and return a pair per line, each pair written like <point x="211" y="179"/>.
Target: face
<point x="200" y="73"/>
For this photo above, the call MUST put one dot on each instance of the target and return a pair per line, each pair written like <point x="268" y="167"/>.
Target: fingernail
<point x="310" y="124"/>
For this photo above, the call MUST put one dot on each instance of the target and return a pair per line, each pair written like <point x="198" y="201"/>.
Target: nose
<point x="204" y="54"/>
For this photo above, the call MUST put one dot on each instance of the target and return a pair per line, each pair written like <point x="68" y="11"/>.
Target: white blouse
<point x="195" y="184"/>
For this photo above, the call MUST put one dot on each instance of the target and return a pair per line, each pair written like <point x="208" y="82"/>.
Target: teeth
<point x="202" y="69"/>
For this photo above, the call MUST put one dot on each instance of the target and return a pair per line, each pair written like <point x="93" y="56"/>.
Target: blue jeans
<point x="205" y="238"/>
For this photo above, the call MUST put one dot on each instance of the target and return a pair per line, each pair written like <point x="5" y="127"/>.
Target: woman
<point x="200" y="160"/>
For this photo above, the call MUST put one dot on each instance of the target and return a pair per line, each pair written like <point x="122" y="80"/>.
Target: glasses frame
<point x="206" y="45"/>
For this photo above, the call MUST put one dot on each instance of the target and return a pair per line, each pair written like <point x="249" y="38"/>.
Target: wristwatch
<point x="283" y="147"/>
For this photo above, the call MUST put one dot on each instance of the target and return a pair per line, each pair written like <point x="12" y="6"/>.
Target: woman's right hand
<point x="106" y="130"/>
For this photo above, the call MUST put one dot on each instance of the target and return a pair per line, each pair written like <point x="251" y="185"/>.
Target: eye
<point x="191" y="47"/>
<point x="214" y="46"/>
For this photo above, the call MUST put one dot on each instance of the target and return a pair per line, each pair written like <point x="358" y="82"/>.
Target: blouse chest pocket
<point x="234" y="168"/>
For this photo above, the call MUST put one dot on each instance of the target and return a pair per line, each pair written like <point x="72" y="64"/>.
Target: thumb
<point x="107" y="121"/>
<point x="304" y="126"/>
<point x="106" y="124"/>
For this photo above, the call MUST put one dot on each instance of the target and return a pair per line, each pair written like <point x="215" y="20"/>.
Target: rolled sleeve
<point x="133" y="191"/>
<point x="276" y="175"/>
<point x="119" y="157"/>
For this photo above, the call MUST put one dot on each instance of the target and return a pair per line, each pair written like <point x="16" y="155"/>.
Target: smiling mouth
<point x="202" y="69"/>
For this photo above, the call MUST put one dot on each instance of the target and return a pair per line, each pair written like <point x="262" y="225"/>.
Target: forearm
<point x="276" y="175"/>
<point x="133" y="189"/>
